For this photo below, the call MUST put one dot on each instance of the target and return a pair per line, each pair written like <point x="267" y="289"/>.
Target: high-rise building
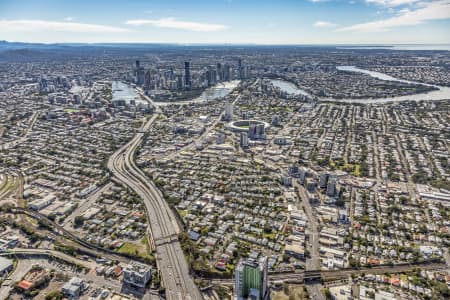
<point x="211" y="76"/>
<point x="331" y="187"/>
<point x="227" y="73"/>
<point x="187" y="75"/>
<point x="179" y="81"/>
<point x="323" y="180"/>
<point x="228" y="115"/>
<point x="139" y="74"/>
<point x="256" y="131"/>
<point x="240" y="69"/>
<point x="244" y="140"/>
<point x="251" y="280"/>
<point x="219" y="72"/>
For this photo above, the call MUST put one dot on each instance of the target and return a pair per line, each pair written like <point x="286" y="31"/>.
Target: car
<point x="104" y="294"/>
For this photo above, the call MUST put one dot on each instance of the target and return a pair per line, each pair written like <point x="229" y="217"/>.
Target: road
<point x="196" y="141"/>
<point x="23" y="138"/>
<point x="164" y="227"/>
<point x="48" y="253"/>
<point x="405" y="165"/>
<point x="313" y="261"/>
<point x="87" y="203"/>
<point x="7" y="286"/>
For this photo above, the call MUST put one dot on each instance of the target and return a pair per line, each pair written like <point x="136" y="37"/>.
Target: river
<point x="123" y="91"/>
<point x="289" y="87"/>
<point x="220" y="90"/>
<point x="442" y="94"/>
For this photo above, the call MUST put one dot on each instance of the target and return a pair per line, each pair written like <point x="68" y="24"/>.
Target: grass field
<point x="71" y="110"/>
<point x="132" y="249"/>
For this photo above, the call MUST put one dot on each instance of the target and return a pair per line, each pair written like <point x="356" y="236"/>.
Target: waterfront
<point x="441" y="94"/>
<point x="215" y="92"/>
<point x="123" y="91"/>
<point x="289" y="87"/>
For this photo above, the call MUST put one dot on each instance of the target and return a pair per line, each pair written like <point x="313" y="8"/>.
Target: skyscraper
<point x="228" y="115"/>
<point x="244" y="140"/>
<point x="251" y="280"/>
<point x="256" y="131"/>
<point x="240" y="69"/>
<point x="187" y="75"/>
<point x="139" y="73"/>
<point x="211" y="76"/>
<point x="227" y="73"/>
<point x="219" y="72"/>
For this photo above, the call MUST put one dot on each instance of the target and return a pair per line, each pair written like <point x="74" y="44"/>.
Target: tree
<point x="79" y="221"/>
<point x="55" y="295"/>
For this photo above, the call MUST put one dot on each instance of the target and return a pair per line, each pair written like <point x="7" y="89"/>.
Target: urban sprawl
<point x="183" y="172"/>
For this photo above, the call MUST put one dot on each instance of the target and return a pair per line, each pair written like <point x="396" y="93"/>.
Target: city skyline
<point x="228" y="22"/>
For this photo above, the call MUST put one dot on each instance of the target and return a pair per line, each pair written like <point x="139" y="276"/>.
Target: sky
<point x="227" y="21"/>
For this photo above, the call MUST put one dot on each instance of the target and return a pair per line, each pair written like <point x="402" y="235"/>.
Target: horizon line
<point x="222" y="44"/>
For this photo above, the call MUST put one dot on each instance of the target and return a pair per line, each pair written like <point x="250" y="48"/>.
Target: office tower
<point x="310" y="186"/>
<point x="302" y="176"/>
<point x="331" y="187"/>
<point x="244" y="140"/>
<point x="211" y="76"/>
<point x="293" y="170"/>
<point x="251" y="280"/>
<point x="323" y="179"/>
<point x="179" y="81"/>
<point x="219" y="72"/>
<point x="227" y="73"/>
<point x="256" y="131"/>
<point x="241" y="74"/>
<point x="228" y="115"/>
<point x="148" y="81"/>
<point x="139" y="73"/>
<point x="187" y="75"/>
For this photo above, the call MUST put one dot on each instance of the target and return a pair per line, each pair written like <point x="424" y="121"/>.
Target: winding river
<point x="220" y="90"/>
<point x="442" y="94"/>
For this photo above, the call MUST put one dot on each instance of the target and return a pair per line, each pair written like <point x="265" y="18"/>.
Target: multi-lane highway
<point x="164" y="227"/>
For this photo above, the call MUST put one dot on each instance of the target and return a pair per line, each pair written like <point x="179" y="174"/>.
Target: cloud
<point x="392" y="3"/>
<point x="324" y="24"/>
<point x="24" y="25"/>
<point x="438" y="10"/>
<point x="176" y="24"/>
<point x="69" y="19"/>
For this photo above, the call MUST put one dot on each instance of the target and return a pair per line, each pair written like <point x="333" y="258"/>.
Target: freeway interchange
<point x="163" y="226"/>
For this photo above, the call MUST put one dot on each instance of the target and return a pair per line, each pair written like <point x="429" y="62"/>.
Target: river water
<point x="442" y="94"/>
<point x="220" y="90"/>
<point x="288" y="87"/>
<point x="123" y="91"/>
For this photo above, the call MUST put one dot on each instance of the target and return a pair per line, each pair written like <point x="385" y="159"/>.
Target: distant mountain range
<point x="20" y="51"/>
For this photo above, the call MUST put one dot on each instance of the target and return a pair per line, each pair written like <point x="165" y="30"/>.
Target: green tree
<point x="79" y="221"/>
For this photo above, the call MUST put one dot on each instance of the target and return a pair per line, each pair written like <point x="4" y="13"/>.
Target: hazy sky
<point x="227" y="21"/>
